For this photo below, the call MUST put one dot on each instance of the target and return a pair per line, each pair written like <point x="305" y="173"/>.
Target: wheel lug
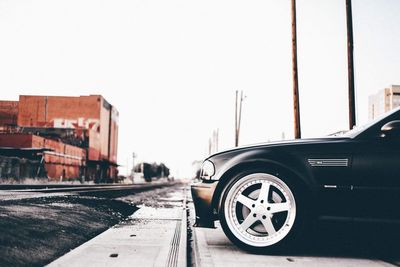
<point x="264" y="217"/>
<point x="269" y="208"/>
<point x="262" y="201"/>
<point x="254" y="215"/>
<point x="254" y="205"/>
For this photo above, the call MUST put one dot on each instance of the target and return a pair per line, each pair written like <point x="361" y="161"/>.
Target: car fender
<point x="278" y="162"/>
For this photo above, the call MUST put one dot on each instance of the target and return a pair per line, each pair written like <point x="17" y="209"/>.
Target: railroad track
<point x="54" y="188"/>
<point x="13" y="192"/>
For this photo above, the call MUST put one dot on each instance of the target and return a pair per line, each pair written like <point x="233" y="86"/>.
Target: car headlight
<point x="207" y="170"/>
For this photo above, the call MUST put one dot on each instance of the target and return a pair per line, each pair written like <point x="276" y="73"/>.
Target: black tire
<point x="288" y="224"/>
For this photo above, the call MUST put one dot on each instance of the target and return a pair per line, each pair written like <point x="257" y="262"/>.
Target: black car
<point x="265" y="195"/>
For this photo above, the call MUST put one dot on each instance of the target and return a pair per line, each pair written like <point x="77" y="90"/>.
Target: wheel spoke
<point x="279" y="207"/>
<point x="269" y="227"/>
<point x="259" y="210"/>
<point x="249" y="221"/>
<point x="248" y="202"/>
<point x="264" y="192"/>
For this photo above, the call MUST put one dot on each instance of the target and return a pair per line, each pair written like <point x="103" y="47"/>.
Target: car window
<point x="359" y="129"/>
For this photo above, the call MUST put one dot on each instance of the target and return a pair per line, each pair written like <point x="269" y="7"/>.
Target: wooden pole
<point x="296" y="104"/>
<point x="240" y="116"/>
<point x="236" y="120"/>
<point x="350" y="65"/>
<point x="216" y="145"/>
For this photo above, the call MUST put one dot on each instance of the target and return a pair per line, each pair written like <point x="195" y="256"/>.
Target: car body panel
<point x="376" y="180"/>
<point x="202" y="194"/>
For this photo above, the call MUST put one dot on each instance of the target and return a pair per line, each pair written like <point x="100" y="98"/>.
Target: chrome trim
<point x="330" y="186"/>
<point x="328" y="162"/>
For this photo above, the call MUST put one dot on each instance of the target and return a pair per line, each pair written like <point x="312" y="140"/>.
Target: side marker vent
<point x="329" y="162"/>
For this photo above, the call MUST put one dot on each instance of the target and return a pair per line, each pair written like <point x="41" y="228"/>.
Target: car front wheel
<point x="258" y="211"/>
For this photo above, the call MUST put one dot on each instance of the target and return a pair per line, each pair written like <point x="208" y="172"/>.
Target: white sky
<point x="172" y="67"/>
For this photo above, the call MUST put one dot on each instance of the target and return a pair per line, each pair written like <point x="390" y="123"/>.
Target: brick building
<point x="85" y="127"/>
<point x="8" y="113"/>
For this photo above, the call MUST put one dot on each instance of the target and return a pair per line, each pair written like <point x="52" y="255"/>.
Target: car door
<point x="376" y="177"/>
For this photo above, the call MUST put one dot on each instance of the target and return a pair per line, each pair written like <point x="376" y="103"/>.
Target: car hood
<point x="282" y="143"/>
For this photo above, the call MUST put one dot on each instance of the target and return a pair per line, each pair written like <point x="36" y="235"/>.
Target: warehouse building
<point x="70" y="137"/>
<point x="383" y="101"/>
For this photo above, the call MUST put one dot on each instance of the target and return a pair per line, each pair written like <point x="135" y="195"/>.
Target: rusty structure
<point x="8" y="114"/>
<point x="63" y="137"/>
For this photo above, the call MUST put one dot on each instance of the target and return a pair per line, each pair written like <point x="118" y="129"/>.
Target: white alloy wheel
<point x="259" y="210"/>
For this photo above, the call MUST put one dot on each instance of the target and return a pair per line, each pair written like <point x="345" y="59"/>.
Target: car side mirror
<point x="391" y="128"/>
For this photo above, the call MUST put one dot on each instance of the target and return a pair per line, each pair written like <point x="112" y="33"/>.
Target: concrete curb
<point x="177" y="256"/>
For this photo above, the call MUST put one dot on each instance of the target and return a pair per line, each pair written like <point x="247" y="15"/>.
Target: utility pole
<point x="238" y="116"/>
<point x="216" y="140"/>
<point x="213" y="142"/>
<point x="133" y="166"/>
<point x="127" y="167"/>
<point x="296" y="103"/>
<point x="236" y="119"/>
<point x="350" y="65"/>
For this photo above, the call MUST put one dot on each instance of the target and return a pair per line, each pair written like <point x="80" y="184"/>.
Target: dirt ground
<point x="35" y="231"/>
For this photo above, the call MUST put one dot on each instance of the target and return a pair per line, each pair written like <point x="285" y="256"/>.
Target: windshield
<point x="359" y="129"/>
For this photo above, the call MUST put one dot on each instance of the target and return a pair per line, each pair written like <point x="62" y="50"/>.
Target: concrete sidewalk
<point x="212" y="248"/>
<point x="151" y="237"/>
